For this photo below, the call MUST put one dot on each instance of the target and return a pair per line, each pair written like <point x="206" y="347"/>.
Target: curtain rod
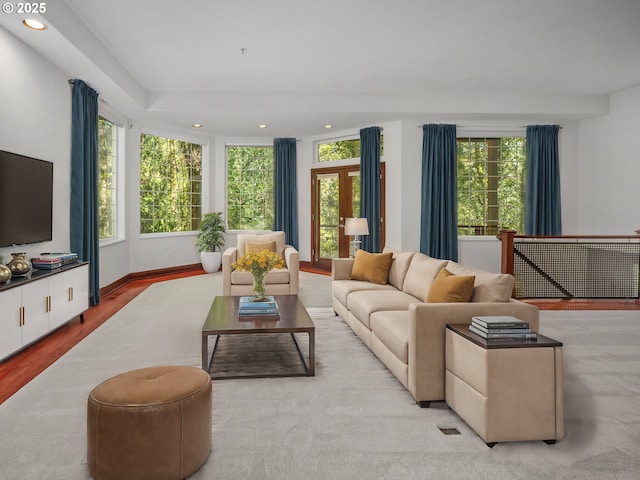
<point x="491" y="127"/>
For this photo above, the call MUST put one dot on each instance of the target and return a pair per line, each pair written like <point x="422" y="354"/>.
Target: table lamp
<point x="356" y="227"/>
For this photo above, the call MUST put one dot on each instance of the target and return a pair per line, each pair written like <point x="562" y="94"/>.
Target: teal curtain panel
<point x="285" y="189"/>
<point x="543" y="212"/>
<point x="439" y="202"/>
<point x="84" y="237"/>
<point x="370" y="187"/>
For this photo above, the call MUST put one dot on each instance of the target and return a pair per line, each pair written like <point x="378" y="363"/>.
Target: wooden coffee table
<point x="223" y="320"/>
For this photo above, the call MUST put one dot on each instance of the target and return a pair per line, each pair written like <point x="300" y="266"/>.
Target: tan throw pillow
<point x="372" y="267"/>
<point x="255" y="247"/>
<point x="449" y="288"/>
<point x="489" y="287"/>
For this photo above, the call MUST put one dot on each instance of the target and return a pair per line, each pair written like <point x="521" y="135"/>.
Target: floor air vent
<point x="449" y="431"/>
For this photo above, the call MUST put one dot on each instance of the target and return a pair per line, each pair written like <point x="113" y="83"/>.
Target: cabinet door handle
<point x="22" y="316"/>
<point x="71" y="294"/>
<point x="48" y="304"/>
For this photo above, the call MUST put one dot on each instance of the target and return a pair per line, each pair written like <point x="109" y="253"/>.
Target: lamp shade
<point x="356" y="226"/>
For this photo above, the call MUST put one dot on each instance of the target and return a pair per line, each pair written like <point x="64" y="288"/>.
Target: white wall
<point x="35" y="119"/>
<point x="609" y="192"/>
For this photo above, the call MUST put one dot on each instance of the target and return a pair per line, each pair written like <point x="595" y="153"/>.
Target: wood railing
<point x="572" y="266"/>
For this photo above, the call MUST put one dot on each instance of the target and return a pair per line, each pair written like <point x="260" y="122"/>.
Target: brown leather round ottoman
<point x="152" y="423"/>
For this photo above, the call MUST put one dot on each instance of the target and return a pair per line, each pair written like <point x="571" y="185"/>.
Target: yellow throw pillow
<point x="372" y="267"/>
<point x="255" y="247"/>
<point x="448" y="288"/>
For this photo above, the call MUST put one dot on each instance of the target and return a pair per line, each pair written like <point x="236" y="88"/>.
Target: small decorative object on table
<point x="19" y="265"/>
<point x="259" y="264"/>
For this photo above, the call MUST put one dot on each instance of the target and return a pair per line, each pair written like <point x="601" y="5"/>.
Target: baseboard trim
<point x="159" y="272"/>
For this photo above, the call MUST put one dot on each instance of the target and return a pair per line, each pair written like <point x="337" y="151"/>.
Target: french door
<point x="336" y="196"/>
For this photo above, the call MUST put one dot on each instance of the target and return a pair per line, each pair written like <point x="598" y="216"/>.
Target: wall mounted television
<point x="26" y="199"/>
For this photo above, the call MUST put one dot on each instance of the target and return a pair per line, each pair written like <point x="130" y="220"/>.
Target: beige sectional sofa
<point x="406" y="333"/>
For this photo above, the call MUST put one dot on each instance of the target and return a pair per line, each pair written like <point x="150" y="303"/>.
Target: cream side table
<point x="505" y="390"/>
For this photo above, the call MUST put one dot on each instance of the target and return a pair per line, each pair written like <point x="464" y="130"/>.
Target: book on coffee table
<point x="249" y="307"/>
<point x="248" y="302"/>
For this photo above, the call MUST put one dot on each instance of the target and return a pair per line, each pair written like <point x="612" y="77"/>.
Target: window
<point x="107" y="178"/>
<point x="250" y="188"/>
<point x="491" y="177"/>
<point x="342" y="150"/>
<point x="170" y="185"/>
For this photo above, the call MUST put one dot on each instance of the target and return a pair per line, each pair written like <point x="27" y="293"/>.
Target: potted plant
<point x="210" y="241"/>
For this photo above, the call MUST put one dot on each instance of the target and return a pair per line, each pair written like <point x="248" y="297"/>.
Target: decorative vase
<point x="258" y="286"/>
<point x="211" y="261"/>
<point x="5" y="273"/>
<point x="19" y="265"/>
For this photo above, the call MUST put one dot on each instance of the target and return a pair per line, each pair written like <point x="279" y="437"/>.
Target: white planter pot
<point x="211" y="261"/>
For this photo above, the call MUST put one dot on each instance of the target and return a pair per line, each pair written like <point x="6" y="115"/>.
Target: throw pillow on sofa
<point x="489" y="287"/>
<point x="371" y="267"/>
<point x="449" y="288"/>
<point x="257" y="247"/>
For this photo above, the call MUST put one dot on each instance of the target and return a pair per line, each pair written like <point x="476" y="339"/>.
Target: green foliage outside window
<point x="107" y="144"/>
<point x="491" y="178"/>
<point x="170" y="185"/>
<point x="342" y="150"/>
<point x="250" y="188"/>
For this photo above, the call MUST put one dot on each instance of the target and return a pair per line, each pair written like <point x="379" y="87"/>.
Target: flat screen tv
<point x="26" y="199"/>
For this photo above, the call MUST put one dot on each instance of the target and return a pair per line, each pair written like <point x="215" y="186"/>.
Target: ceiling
<point x="297" y="65"/>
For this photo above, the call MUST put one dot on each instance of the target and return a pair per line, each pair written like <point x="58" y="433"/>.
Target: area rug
<point x="259" y="354"/>
<point x="352" y="420"/>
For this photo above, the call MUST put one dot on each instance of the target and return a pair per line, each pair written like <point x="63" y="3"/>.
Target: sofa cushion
<point x="278" y="237"/>
<point x="399" y="266"/>
<point x="450" y="288"/>
<point x="277" y="275"/>
<point x="365" y="302"/>
<point x="392" y="328"/>
<point x="256" y="247"/>
<point x="423" y="270"/>
<point x="489" y="287"/>
<point x="372" y="267"/>
<point x="342" y="288"/>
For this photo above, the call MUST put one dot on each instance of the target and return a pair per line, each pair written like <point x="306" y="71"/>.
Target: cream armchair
<point x="279" y="281"/>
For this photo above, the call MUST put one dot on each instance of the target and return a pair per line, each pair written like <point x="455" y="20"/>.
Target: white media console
<point x="35" y="305"/>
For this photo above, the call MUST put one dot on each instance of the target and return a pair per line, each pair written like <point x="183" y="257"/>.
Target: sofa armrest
<point x="229" y="256"/>
<point x="292" y="260"/>
<point x="341" y="268"/>
<point x="427" y="327"/>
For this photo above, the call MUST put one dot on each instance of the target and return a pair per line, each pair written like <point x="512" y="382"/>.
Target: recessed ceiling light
<point x="262" y="126"/>
<point x="328" y="126"/>
<point x="34" y="24"/>
<point x="197" y="125"/>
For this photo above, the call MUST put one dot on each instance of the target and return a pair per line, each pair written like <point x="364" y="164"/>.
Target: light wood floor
<point x="17" y="371"/>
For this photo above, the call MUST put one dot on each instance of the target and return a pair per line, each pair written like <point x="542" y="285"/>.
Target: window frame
<point x="343" y="161"/>
<point x="169" y="135"/>
<point x="226" y="159"/>
<point x="119" y="175"/>
<point x="480" y="134"/>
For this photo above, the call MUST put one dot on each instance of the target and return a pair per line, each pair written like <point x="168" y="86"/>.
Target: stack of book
<point x="49" y="261"/>
<point x="249" y="307"/>
<point x="501" y="328"/>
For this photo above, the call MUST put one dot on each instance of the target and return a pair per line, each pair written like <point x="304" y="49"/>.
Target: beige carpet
<point x="353" y="420"/>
